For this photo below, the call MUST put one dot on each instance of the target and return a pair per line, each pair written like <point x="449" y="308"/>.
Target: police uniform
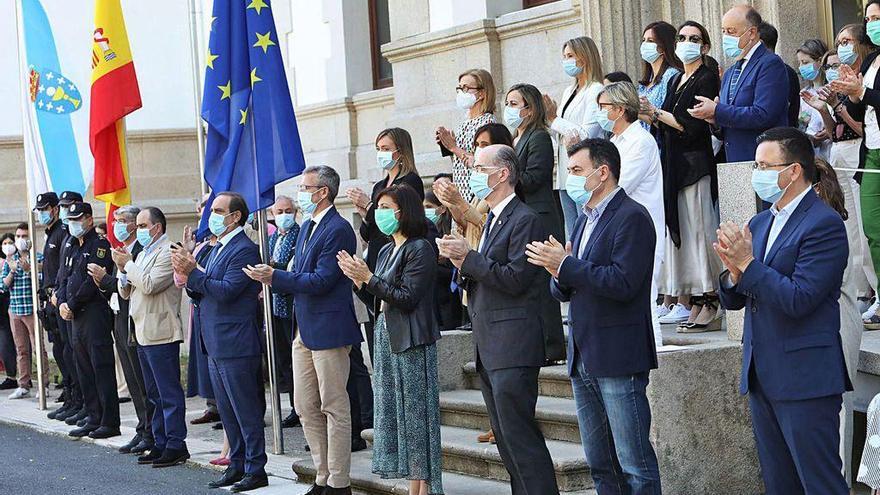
<point x="92" y="328"/>
<point x="74" y="407"/>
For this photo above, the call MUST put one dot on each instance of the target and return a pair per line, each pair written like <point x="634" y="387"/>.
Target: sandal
<point x="709" y="319"/>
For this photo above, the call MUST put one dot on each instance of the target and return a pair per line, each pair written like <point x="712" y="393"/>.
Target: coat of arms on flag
<point x="52" y="92"/>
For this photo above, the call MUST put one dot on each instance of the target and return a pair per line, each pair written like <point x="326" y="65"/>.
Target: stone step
<point x="553" y="381"/>
<point x="464" y="455"/>
<point x="364" y="482"/>
<point x="557" y="417"/>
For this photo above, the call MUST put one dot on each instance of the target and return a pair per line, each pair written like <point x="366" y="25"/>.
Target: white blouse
<point x="579" y="117"/>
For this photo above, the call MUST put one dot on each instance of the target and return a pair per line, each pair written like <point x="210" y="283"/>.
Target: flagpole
<point x="194" y="38"/>
<point x="263" y="238"/>
<point x="35" y="281"/>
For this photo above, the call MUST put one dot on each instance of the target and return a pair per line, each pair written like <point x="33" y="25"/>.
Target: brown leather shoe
<point x="208" y="417"/>
<point x="488" y="437"/>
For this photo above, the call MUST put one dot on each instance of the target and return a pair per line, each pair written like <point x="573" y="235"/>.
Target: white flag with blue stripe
<point x="54" y="110"/>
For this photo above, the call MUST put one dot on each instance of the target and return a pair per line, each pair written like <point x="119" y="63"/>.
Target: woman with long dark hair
<point x="659" y="65"/>
<point x="7" y="344"/>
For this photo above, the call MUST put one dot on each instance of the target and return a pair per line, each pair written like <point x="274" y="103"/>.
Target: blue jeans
<point x="615" y="419"/>
<point x="570" y="212"/>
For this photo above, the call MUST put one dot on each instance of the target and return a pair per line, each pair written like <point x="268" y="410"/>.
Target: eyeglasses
<point x="484" y="169"/>
<point x="692" y="38"/>
<point x="466" y="89"/>
<point x="765" y="166"/>
<point x="845" y="42"/>
<point x="603" y="105"/>
<point x="831" y="66"/>
<point x="303" y="187"/>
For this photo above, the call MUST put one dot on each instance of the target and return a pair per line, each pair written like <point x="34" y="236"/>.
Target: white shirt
<point x="223" y="241"/>
<point x="780" y="218"/>
<point x="578" y="118"/>
<point x="749" y="55"/>
<point x="593" y="215"/>
<point x="496" y="214"/>
<point x="316" y="220"/>
<point x="641" y="176"/>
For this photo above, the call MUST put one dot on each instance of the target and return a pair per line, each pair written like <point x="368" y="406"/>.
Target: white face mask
<point x="9" y="249"/>
<point x="22" y="244"/>
<point x="465" y="100"/>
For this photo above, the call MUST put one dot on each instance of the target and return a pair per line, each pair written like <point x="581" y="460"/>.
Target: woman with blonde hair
<point x="576" y="120"/>
<point x="475" y="94"/>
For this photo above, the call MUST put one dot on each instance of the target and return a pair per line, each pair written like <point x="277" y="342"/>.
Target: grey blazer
<point x="505" y="293"/>
<point x="404" y="281"/>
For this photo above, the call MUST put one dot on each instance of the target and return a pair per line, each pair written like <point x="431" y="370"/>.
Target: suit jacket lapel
<point x="502" y="219"/>
<point x="224" y="251"/>
<point x="318" y="230"/>
<point x="521" y="144"/>
<point x="797" y="216"/>
<point x="750" y="66"/>
<point x="300" y="244"/>
<point x="606" y="217"/>
<point x="760" y="235"/>
<point x="579" y="227"/>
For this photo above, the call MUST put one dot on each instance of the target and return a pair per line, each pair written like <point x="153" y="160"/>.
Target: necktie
<point x="308" y="233"/>
<point x="487" y="228"/>
<point x="212" y="256"/>
<point x="734" y="81"/>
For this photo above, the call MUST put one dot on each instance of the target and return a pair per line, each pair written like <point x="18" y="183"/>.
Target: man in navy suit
<point x="325" y="326"/>
<point x="785" y="268"/>
<point x="605" y="273"/>
<point x="754" y="92"/>
<point x="231" y="337"/>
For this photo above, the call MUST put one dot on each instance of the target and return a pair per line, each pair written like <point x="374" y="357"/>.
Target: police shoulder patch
<point x="101" y="253"/>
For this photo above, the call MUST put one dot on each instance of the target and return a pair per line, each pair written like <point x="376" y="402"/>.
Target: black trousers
<point x="283" y="336"/>
<point x="510" y="395"/>
<point x="126" y="348"/>
<point x="360" y="393"/>
<point x="70" y="379"/>
<point x="96" y="365"/>
<point x="7" y="344"/>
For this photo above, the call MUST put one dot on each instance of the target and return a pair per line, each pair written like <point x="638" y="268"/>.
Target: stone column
<point x="408" y="17"/>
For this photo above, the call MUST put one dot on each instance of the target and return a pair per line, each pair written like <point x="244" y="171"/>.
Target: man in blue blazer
<point x="785" y="268"/>
<point x="605" y="273"/>
<point x="325" y="326"/>
<point x="231" y="337"/>
<point x="754" y="91"/>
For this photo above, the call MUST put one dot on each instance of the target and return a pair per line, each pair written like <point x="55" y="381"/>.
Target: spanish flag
<point x="115" y="94"/>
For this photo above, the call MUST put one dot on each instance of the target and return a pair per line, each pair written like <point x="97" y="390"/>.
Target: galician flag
<point x="115" y="94"/>
<point x="55" y="113"/>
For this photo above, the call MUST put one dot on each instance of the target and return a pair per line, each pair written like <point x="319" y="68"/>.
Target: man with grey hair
<point x="641" y="174"/>
<point x="504" y="301"/>
<point x="325" y="328"/>
<point x="124" y="227"/>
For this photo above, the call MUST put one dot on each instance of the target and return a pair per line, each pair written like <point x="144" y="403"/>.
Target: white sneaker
<point x="871" y="310"/>
<point x="20" y="393"/>
<point x="678" y="314"/>
<point x="663" y="310"/>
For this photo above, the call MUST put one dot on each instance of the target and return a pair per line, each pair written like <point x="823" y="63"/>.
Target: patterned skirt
<point x="407" y="412"/>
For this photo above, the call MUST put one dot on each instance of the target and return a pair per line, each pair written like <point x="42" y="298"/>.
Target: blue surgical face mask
<point x="145" y="238"/>
<point x="385" y="159"/>
<point x="284" y="221"/>
<point x="304" y="201"/>
<point x="217" y="224"/>
<point x="603" y="120"/>
<point x="766" y="184"/>
<point x="832" y="75"/>
<point x="76" y="228"/>
<point x="575" y="186"/>
<point x="847" y="53"/>
<point x="512" y="117"/>
<point x="730" y="44"/>
<point x="809" y="71"/>
<point x="120" y="230"/>
<point x="63" y="215"/>
<point x="571" y="68"/>
<point x="688" y="51"/>
<point x="649" y="52"/>
<point x="44" y="217"/>
<point x="431" y="214"/>
<point x="479" y="184"/>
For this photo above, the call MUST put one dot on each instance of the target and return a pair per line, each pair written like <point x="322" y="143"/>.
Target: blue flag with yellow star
<point x="252" y="138"/>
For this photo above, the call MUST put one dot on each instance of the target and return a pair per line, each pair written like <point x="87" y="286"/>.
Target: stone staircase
<point x="471" y="468"/>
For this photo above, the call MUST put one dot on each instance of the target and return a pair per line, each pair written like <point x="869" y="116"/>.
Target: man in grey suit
<point x="504" y="302"/>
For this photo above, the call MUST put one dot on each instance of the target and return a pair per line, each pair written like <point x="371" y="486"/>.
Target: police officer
<point x="92" y="325"/>
<point x="74" y="408"/>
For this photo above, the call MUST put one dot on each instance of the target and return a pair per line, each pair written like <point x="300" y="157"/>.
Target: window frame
<point x="527" y="4"/>
<point x="376" y="50"/>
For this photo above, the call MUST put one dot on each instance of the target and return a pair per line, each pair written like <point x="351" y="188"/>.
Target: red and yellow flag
<point x="115" y="94"/>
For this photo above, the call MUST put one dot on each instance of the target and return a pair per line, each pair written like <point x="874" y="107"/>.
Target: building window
<point x="845" y="12"/>
<point x="534" y="3"/>
<point x="380" y="33"/>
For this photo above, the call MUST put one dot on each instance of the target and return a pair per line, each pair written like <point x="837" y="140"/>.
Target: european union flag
<point x="253" y="141"/>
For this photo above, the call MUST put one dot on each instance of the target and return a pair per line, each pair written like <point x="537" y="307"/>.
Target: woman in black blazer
<point x="524" y="111"/>
<point x="394" y="153"/>
<point x="691" y="269"/>
<point x="405" y="381"/>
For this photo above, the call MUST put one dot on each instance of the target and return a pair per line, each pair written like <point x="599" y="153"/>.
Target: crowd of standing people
<point x="605" y="198"/>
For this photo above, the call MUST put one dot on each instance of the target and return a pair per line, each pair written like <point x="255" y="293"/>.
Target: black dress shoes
<point x="105" y="432"/>
<point x="66" y="412"/>
<point x="82" y="431"/>
<point x="171" y="457"/>
<point x="291" y="421"/>
<point x="76" y="418"/>
<point x="142" y="447"/>
<point x="8" y="384"/>
<point x="153" y="456"/>
<point x="83" y="422"/>
<point x="358" y="444"/>
<point x="316" y="490"/>
<point x="126" y="449"/>
<point x="208" y="417"/>
<point x="251" y="482"/>
<point x="337" y="491"/>
<point x="54" y="414"/>
<point x="217" y="426"/>
<point x="230" y="477"/>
